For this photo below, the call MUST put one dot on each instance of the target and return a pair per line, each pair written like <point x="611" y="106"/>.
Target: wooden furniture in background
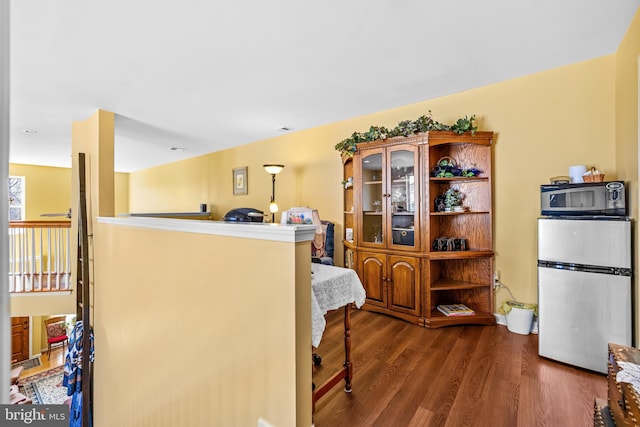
<point x="624" y="400"/>
<point x="390" y="207"/>
<point x="19" y="339"/>
<point x="461" y="276"/>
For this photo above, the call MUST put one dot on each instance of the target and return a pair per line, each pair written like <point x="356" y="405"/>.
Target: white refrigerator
<point x="584" y="289"/>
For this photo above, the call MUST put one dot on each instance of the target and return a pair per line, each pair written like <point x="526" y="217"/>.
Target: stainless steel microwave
<point x="589" y="198"/>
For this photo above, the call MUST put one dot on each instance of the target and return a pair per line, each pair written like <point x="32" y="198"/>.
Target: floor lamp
<point x="273" y="170"/>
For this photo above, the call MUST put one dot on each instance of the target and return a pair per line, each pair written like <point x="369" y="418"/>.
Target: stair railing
<point x="39" y="256"/>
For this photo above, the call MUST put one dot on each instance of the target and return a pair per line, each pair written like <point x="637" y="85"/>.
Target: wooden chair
<point x="56" y="333"/>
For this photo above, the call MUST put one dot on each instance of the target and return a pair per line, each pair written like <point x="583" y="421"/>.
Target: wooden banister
<point x="39" y="256"/>
<point x="40" y="224"/>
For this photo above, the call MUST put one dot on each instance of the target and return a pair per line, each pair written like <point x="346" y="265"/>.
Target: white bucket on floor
<point x="519" y="318"/>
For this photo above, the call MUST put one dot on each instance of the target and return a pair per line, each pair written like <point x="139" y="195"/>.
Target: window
<point x="16" y="198"/>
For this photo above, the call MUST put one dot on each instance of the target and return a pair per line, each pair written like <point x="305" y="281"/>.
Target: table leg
<point x="346" y="372"/>
<point x="347" y="349"/>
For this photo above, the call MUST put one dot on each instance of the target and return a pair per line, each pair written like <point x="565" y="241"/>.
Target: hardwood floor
<point x="57" y="359"/>
<point x="405" y="375"/>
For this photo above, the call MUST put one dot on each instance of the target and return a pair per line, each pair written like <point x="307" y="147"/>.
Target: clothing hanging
<point x="73" y="372"/>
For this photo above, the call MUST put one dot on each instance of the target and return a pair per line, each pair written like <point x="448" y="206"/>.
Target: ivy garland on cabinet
<point x="424" y="123"/>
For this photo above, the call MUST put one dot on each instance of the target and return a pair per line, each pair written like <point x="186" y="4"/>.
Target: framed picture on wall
<point x="240" y="182"/>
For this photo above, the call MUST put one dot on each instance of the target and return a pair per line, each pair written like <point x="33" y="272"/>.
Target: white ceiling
<point x="207" y="75"/>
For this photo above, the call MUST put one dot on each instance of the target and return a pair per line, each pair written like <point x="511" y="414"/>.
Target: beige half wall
<point x="201" y="323"/>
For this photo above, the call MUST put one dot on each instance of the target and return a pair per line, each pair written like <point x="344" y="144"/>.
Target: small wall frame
<point x="240" y="181"/>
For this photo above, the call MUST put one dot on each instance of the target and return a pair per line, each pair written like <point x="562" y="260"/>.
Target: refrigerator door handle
<point x="616" y="271"/>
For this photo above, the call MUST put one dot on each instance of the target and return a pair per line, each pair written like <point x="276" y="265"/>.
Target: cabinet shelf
<point x="457" y="213"/>
<point x="458" y="178"/>
<point x="473" y="253"/>
<point x="372" y="182"/>
<point x="437" y="319"/>
<point x="448" y="285"/>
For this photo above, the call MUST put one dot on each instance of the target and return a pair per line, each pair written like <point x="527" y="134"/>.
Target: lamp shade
<point x="273" y="169"/>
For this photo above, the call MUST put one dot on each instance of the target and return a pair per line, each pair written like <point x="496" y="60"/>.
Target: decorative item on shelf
<point x="273" y="170"/>
<point x="442" y="244"/>
<point x="470" y="172"/>
<point x="396" y="207"/>
<point x="347" y="183"/>
<point x="447" y="167"/>
<point x="452" y="199"/>
<point x="348" y="234"/>
<point x="593" y="175"/>
<point x="377" y="234"/>
<point x="401" y="172"/>
<point x="403" y="237"/>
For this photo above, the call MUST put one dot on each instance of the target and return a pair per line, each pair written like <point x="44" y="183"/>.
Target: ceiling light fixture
<point x="177" y="149"/>
<point x="285" y="129"/>
<point x="29" y="131"/>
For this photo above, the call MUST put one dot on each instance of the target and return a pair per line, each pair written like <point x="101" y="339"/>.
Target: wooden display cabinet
<point x="461" y="276"/>
<point x="391" y="209"/>
<point x="386" y="216"/>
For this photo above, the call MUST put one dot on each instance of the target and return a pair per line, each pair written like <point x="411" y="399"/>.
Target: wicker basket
<point x="592" y="176"/>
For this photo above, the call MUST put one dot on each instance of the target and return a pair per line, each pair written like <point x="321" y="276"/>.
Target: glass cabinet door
<point x="402" y="196"/>
<point x="373" y="205"/>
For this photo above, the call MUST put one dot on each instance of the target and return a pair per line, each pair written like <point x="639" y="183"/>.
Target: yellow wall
<point x="49" y="190"/>
<point x="544" y="123"/>
<point x="201" y="332"/>
<point x="626" y="129"/>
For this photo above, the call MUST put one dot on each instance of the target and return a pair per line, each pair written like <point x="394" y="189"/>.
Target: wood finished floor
<point x="57" y="359"/>
<point x="406" y="375"/>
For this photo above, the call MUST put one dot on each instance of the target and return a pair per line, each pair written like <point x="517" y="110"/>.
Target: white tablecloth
<point x="332" y="288"/>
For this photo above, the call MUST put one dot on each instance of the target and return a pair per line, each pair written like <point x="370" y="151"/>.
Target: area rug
<point x="45" y="387"/>
<point x="28" y="364"/>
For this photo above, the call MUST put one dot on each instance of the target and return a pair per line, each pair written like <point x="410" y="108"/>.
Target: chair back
<point x="56" y="327"/>
<point x="322" y="252"/>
